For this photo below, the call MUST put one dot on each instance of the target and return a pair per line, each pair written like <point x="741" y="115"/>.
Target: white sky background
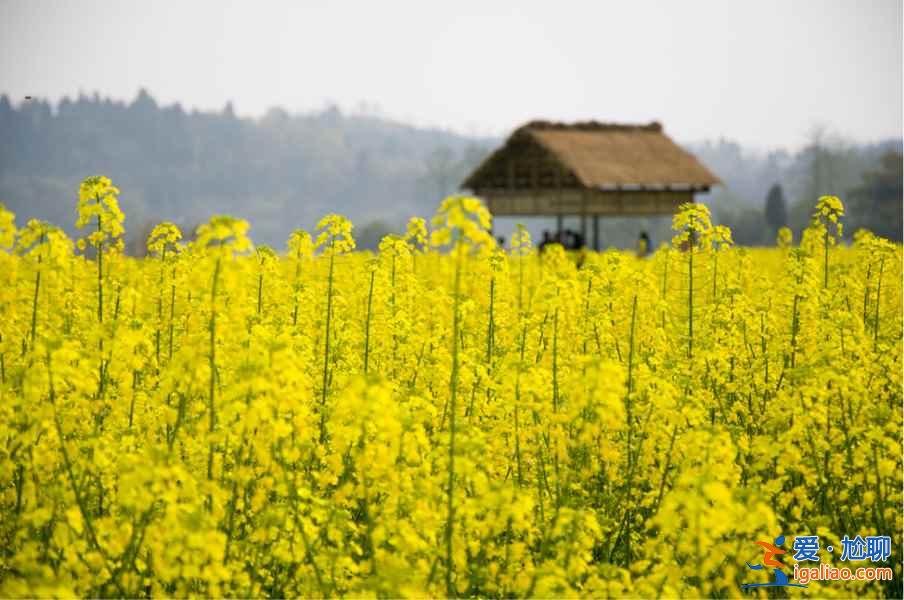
<point x="760" y="72"/>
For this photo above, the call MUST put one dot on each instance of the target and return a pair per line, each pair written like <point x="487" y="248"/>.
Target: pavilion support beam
<point x="583" y="231"/>
<point x="554" y="203"/>
<point x="596" y="232"/>
<point x="559" y="219"/>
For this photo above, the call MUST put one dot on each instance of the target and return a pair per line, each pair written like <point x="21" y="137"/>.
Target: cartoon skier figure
<point x="769" y="552"/>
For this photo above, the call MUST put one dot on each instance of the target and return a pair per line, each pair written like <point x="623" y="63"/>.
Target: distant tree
<point x="368" y="237"/>
<point x="440" y="166"/>
<point x="776" y="210"/>
<point x="877" y="203"/>
<point x="748" y="225"/>
<point x="332" y="114"/>
<point x="471" y="157"/>
<point x="831" y="163"/>
<point x="828" y="165"/>
<point x="136" y="242"/>
<point x="144" y="103"/>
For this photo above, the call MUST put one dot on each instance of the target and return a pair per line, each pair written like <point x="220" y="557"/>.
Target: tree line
<point x="282" y="171"/>
<point x="767" y="191"/>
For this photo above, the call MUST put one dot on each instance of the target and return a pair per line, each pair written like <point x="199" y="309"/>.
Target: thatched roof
<point x="590" y="155"/>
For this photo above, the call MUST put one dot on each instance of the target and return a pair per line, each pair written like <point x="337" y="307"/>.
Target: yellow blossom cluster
<point x="443" y="417"/>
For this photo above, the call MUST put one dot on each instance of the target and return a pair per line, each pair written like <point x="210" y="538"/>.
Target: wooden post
<point x="596" y="232"/>
<point x="559" y="202"/>
<point x="583" y="230"/>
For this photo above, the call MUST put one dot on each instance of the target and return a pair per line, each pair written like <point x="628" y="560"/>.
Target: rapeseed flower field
<point x="443" y="417"/>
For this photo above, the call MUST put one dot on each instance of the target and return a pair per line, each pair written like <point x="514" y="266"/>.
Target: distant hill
<point x="284" y="171"/>
<point x="280" y="171"/>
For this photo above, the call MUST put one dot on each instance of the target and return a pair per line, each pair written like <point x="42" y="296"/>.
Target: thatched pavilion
<point x="588" y="169"/>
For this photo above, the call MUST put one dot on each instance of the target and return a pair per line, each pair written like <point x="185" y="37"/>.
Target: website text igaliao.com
<point x="826" y="572"/>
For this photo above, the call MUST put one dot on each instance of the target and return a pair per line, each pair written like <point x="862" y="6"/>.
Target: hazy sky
<point x="760" y="72"/>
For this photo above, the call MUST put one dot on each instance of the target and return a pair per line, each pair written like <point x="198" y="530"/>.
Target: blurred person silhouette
<point x="643" y="244"/>
<point x="578" y="240"/>
<point x="546" y="240"/>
